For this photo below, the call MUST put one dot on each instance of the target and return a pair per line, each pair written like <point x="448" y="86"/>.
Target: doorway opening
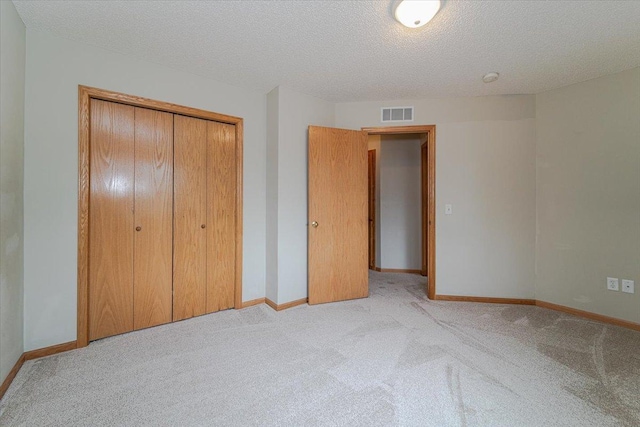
<point x="401" y="192"/>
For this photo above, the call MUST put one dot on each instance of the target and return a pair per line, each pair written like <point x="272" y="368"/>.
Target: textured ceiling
<point x="355" y="50"/>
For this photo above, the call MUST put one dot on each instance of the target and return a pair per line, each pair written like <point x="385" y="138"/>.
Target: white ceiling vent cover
<point x="396" y="114"/>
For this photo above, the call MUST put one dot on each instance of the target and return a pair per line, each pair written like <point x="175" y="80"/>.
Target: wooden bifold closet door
<point x="161" y="218"/>
<point x="153" y="199"/>
<point x="190" y="212"/>
<point x="130" y="216"/>
<point x="204" y="217"/>
<point x="111" y="219"/>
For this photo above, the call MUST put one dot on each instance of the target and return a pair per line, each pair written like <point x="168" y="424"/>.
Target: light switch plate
<point x="613" y="284"/>
<point x="628" y="286"/>
<point x="448" y="209"/>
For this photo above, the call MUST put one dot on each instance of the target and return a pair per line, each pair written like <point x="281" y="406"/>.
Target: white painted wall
<point x="485" y="168"/>
<point x="12" y="67"/>
<point x="400" y="214"/>
<point x="588" y="194"/>
<point x="295" y="112"/>
<point x="54" y="68"/>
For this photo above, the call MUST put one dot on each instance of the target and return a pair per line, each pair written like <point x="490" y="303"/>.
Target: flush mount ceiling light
<point x="490" y="77"/>
<point x="416" y="13"/>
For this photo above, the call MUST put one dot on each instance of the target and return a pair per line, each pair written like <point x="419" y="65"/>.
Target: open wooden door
<point x="338" y="216"/>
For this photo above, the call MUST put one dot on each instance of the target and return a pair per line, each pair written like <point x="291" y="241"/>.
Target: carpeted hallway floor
<point x="392" y="359"/>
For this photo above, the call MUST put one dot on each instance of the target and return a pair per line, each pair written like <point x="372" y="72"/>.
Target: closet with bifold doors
<point x="162" y="217"/>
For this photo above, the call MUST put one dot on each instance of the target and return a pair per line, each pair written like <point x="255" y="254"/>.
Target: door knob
<point x="138" y="228"/>
<point x="314" y="224"/>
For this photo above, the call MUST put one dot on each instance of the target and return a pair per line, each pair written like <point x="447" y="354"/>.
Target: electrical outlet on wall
<point x="628" y="286"/>
<point x="612" y="284"/>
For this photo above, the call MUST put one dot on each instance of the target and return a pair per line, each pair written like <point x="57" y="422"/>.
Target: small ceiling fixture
<point x="416" y="13"/>
<point x="490" y="77"/>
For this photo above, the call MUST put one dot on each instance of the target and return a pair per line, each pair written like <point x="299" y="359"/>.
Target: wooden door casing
<point x="372" y="208"/>
<point x="111" y="219"/>
<point x="153" y="243"/>
<point x="338" y="248"/>
<point x="424" y="200"/>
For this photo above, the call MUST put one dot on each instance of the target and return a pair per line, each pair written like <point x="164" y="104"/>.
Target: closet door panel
<point x="221" y="206"/>
<point x="153" y="242"/>
<point x="111" y="219"/>
<point x="190" y="181"/>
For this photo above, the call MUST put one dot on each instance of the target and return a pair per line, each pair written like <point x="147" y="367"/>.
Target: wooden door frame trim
<point x="85" y="94"/>
<point x="424" y="157"/>
<point x="375" y="199"/>
<point x="430" y="130"/>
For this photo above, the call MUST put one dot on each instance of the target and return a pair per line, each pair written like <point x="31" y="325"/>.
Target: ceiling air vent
<point x="397" y="114"/>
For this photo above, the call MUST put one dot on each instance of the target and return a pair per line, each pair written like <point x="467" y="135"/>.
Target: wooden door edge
<point x="423" y="201"/>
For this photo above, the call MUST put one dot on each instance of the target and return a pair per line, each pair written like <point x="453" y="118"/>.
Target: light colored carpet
<point x="392" y="359"/>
